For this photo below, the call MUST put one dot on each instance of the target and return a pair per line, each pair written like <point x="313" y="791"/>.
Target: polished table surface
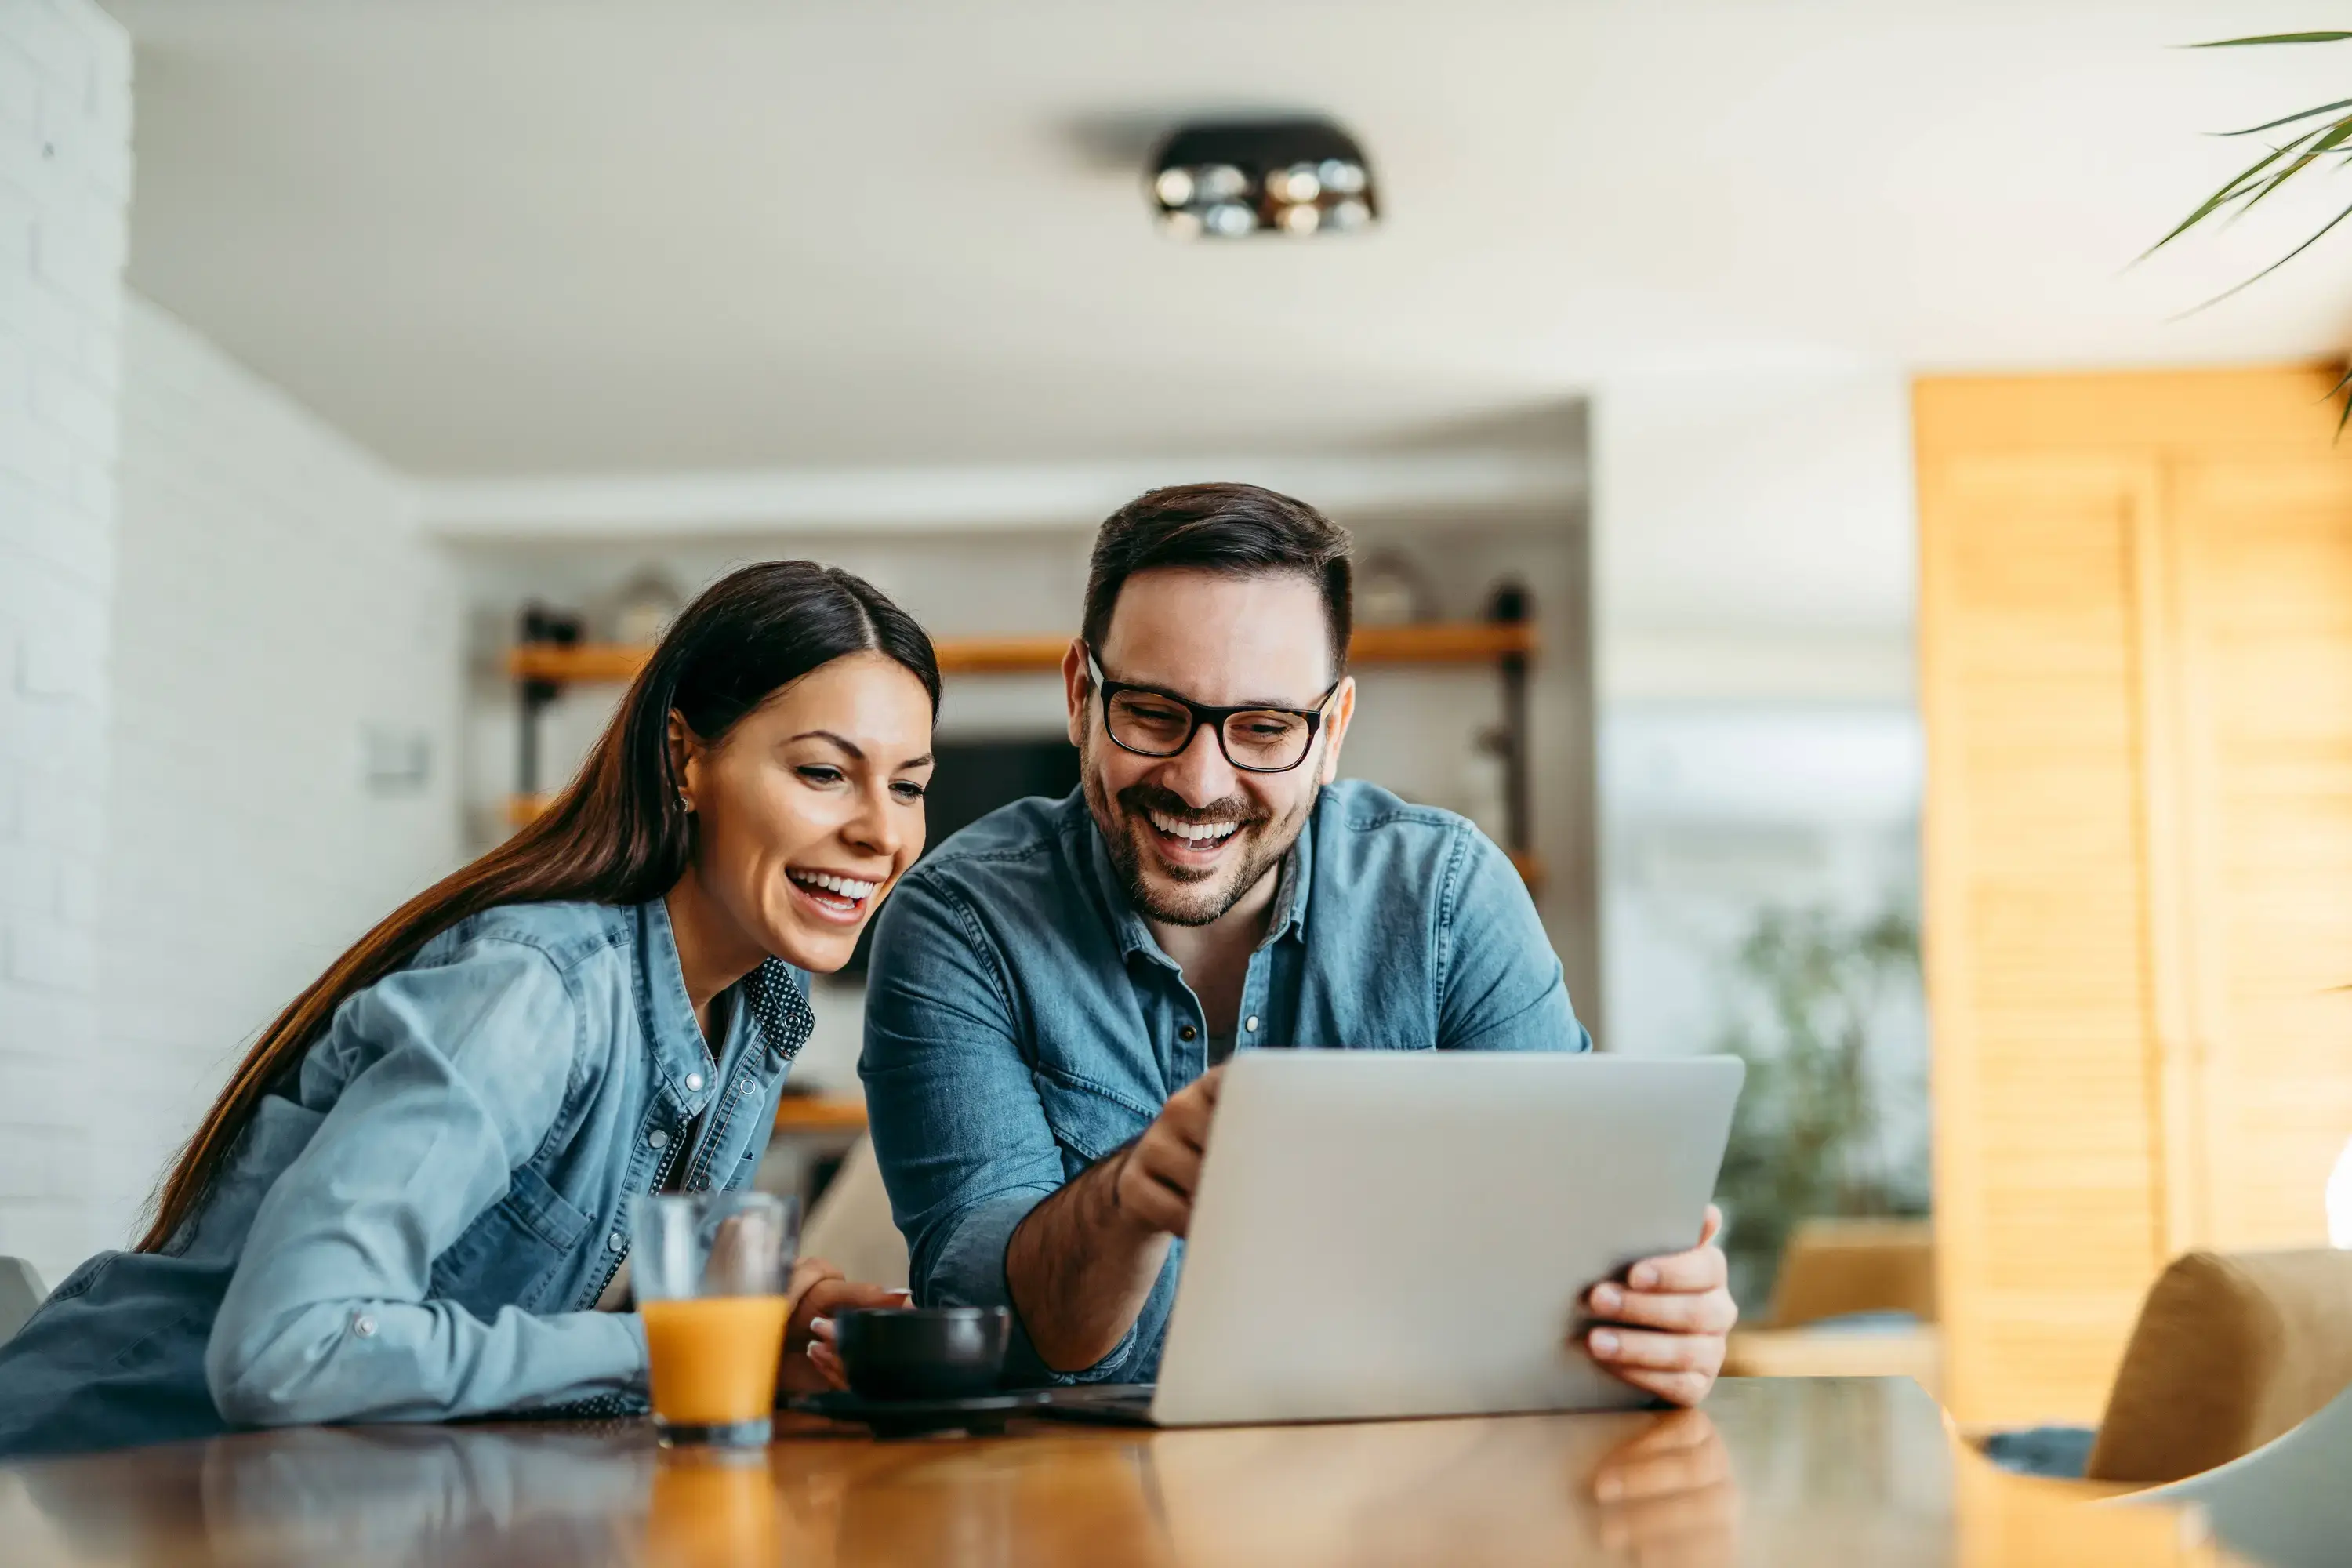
<point x="1815" y="1471"/>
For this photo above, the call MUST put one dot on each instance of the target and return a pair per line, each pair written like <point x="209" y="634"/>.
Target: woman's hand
<point x="818" y="1290"/>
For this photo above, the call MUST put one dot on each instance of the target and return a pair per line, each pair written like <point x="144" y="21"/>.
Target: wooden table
<point x="1915" y="1351"/>
<point x="1819" y="1472"/>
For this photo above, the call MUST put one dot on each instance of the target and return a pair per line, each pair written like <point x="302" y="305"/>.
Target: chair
<point x="2231" y="1351"/>
<point x="2284" y="1504"/>
<point x="21" y="1294"/>
<point x="1857" y="1298"/>
<point x="850" y="1225"/>
<point x="1837" y="1266"/>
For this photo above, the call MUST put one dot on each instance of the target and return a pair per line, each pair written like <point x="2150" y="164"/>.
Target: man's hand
<point x="1663" y="1328"/>
<point x="1156" y="1176"/>
<point x="818" y="1290"/>
<point x="1080" y="1266"/>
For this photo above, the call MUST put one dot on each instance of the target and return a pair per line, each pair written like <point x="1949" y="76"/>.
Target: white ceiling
<point x="523" y="237"/>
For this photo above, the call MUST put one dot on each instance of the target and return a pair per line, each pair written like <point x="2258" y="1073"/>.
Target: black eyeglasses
<point x="1154" y="723"/>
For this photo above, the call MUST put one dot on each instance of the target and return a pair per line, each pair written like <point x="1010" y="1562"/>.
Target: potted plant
<point x="1809" y="1139"/>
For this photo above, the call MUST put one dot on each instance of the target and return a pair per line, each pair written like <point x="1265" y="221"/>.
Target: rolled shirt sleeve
<point x="959" y="1130"/>
<point x="465" y="1063"/>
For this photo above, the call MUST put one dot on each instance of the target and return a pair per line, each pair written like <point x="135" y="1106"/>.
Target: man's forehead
<point x="1221" y="638"/>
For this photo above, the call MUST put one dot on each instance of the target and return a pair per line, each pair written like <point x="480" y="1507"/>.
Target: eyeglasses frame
<point x="1202" y="713"/>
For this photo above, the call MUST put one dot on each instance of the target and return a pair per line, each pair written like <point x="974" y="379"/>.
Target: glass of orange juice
<point x="709" y="1272"/>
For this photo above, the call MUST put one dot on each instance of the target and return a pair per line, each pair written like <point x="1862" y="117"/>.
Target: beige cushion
<point x="2229" y="1352"/>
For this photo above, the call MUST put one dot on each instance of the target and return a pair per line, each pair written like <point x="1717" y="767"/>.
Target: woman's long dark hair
<point x="617" y="835"/>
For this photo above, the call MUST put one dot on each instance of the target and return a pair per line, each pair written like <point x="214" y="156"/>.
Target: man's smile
<point x="1198" y="835"/>
<point x="1191" y="843"/>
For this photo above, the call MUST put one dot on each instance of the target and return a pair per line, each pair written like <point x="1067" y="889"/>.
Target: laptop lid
<point x="1389" y="1234"/>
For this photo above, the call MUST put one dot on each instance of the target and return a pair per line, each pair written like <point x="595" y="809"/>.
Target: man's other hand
<point x="1663" y="1328"/>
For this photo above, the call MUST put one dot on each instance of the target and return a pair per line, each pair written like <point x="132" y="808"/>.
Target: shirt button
<point x="1250" y="1024"/>
<point x="658" y="1138"/>
<point x="615" y="1243"/>
<point x="693" y="1082"/>
<point x="743" y="1085"/>
<point x="364" y="1326"/>
<point x="1187" y="1032"/>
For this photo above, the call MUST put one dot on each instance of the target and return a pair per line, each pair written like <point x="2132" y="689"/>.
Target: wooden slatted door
<point x="2048" y="1186"/>
<point x="2136" y="679"/>
<point x="2265" y="598"/>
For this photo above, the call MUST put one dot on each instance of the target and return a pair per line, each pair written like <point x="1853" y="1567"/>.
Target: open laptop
<point x="1392" y="1234"/>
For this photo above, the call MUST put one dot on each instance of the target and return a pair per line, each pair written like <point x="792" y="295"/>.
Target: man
<point x="1055" y="989"/>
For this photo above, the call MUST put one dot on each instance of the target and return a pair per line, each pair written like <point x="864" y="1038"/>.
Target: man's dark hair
<point x="1241" y="529"/>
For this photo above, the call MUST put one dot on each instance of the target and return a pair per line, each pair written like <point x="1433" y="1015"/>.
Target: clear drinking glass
<point x="710" y="1271"/>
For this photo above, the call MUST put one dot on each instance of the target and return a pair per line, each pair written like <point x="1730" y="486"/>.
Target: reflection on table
<point x="1823" y="1472"/>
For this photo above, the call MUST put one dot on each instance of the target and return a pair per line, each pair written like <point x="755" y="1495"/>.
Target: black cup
<point x="923" y="1352"/>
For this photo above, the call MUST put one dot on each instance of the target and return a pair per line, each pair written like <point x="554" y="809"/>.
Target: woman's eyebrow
<point x="852" y="747"/>
<point x="843" y="742"/>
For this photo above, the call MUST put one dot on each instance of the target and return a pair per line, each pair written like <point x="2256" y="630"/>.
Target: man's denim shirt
<point x="415" y="1225"/>
<point x="1021" y="1023"/>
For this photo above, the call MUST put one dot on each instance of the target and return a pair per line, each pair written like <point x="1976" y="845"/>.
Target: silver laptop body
<point x="1381" y="1234"/>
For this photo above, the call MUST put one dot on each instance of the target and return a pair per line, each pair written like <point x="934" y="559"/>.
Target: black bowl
<point x="923" y="1352"/>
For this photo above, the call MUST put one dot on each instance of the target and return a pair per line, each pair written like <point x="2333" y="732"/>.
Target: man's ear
<point x="686" y="750"/>
<point x="1079" y="687"/>
<point x="1341" y="712"/>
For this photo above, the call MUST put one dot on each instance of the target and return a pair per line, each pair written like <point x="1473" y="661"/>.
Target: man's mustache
<point x="1140" y="798"/>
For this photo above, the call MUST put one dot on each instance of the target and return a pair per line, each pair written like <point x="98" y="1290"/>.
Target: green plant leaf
<point x="2332" y="138"/>
<point x="2274" y="124"/>
<point x="2244" y="181"/>
<point x="2273" y="267"/>
<point x="2343" y="383"/>
<point x="2275" y="38"/>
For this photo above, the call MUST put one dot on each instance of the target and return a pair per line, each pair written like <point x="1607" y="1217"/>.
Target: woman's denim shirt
<point x="418" y="1224"/>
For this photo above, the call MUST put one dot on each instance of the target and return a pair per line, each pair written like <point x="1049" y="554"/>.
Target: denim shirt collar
<point x="670" y="1029"/>
<point x="1290" y="888"/>
<point x="770" y="999"/>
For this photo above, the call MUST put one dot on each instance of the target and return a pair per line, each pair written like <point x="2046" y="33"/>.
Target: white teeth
<point x="848" y="887"/>
<point x="1197" y="831"/>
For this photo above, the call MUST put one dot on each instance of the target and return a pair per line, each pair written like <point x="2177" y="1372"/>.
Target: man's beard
<point x="1207" y="892"/>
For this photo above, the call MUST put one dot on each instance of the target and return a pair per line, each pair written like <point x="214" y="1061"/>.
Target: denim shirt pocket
<point x="1087" y="1119"/>
<point x="510" y="1254"/>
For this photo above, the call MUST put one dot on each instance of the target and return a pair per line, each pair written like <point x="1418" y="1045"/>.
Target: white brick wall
<point x="206" y="596"/>
<point x="64" y="179"/>
<point x="272" y="599"/>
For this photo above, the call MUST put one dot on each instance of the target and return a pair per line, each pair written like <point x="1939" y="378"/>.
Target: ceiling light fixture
<point x="1228" y="179"/>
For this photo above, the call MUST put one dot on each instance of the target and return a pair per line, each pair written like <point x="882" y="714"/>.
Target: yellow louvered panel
<point x="2264" y="593"/>
<point x="2047" y="1186"/>
<point x="2137" y="669"/>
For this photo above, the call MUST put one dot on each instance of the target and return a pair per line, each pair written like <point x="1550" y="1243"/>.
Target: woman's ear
<point x="685" y="749"/>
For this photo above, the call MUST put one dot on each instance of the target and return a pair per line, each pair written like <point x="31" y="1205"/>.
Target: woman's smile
<point x="835" y="896"/>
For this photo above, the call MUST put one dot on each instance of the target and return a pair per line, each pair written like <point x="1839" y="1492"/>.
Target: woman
<point x="412" y="1199"/>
